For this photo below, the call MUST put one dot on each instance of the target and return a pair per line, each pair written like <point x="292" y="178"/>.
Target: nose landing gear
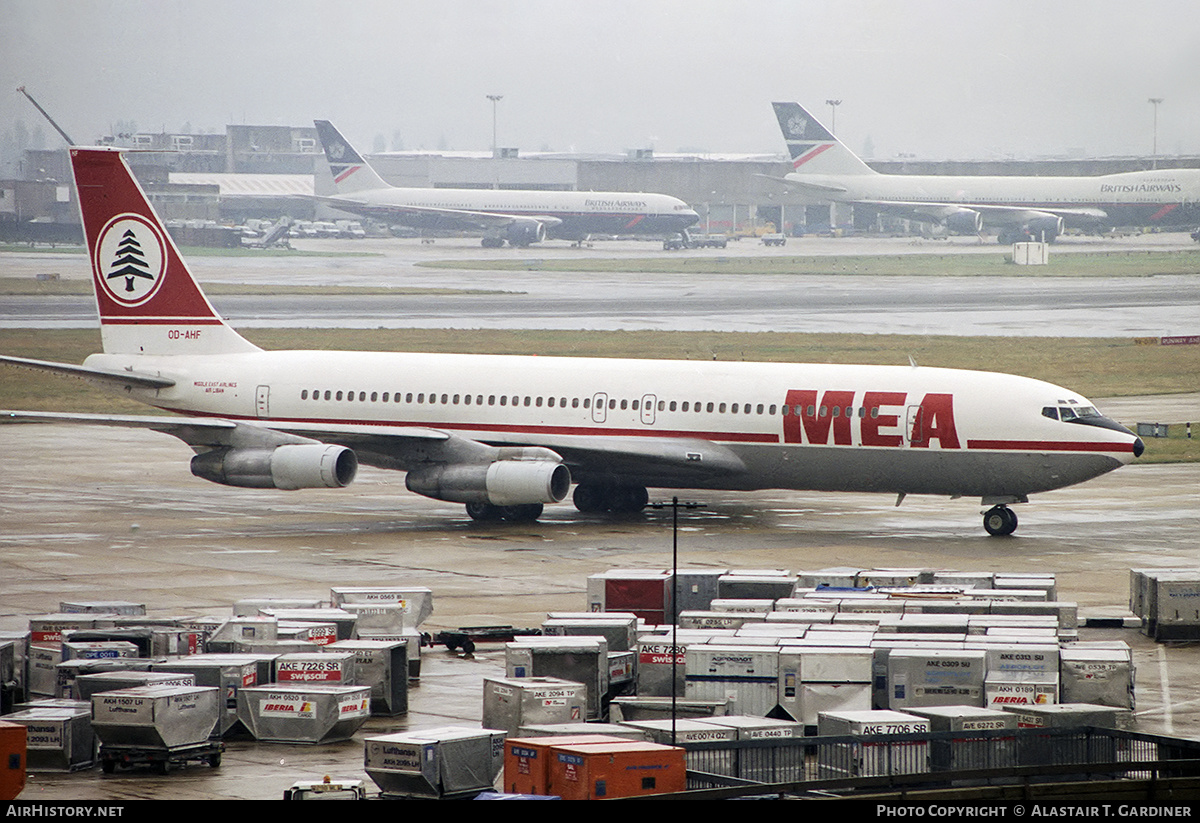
<point x="1000" y="521"/>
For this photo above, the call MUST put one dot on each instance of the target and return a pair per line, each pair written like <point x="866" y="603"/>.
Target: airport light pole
<point x="1155" y="101"/>
<point x="495" y="98"/>
<point x="833" y="104"/>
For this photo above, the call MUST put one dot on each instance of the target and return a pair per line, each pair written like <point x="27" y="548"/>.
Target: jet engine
<point x="1046" y="227"/>
<point x="501" y="482"/>
<point x="521" y="233"/>
<point x="964" y="221"/>
<point x="301" y="466"/>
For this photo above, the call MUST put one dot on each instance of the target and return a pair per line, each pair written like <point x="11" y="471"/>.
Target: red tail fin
<point x="149" y="302"/>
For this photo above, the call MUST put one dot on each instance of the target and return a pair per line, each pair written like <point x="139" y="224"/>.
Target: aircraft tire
<point x="589" y="499"/>
<point x="629" y="499"/>
<point x="483" y="512"/>
<point x="1000" y="521"/>
<point x="521" y="514"/>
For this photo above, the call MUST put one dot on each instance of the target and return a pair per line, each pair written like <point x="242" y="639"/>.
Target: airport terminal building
<point x="266" y="172"/>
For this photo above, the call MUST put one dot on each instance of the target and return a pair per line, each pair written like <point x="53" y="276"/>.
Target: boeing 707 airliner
<point x="506" y="435"/>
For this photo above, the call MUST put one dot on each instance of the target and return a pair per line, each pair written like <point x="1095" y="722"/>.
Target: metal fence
<point x="937" y="759"/>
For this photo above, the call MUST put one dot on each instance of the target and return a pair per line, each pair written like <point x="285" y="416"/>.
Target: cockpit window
<point x="1050" y="411"/>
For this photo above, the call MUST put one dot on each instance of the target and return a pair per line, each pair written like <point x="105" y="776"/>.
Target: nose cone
<point x="1138" y="447"/>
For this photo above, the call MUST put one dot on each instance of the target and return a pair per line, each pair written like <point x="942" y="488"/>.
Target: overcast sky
<point x="931" y="78"/>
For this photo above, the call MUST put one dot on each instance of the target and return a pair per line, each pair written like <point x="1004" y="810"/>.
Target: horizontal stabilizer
<point x="105" y="377"/>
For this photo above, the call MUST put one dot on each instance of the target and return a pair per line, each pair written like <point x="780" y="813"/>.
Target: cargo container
<point x="600" y="771"/>
<point x="443" y="762"/>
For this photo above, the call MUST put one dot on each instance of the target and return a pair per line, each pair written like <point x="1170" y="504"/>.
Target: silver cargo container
<point x="253" y="606"/>
<point x="1072" y="715"/>
<point x="619" y="631"/>
<point x="624" y="709"/>
<point x="417" y="601"/>
<point x="382" y="665"/>
<point x="335" y="668"/>
<point x="102" y="607"/>
<point x="966" y="751"/>
<point x="303" y="713"/>
<point x="510" y="703"/>
<point x="578" y="659"/>
<point x="342" y="619"/>
<point x="155" y="717"/>
<point x="57" y="738"/>
<point x="769" y="764"/>
<point x="87" y="685"/>
<point x="448" y="761"/>
<point x="228" y="673"/>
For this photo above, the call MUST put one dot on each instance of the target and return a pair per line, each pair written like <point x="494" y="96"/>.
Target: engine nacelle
<point x="501" y="483"/>
<point x="1046" y="227"/>
<point x="301" y="466"/>
<point x="964" y="221"/>
<point x="523" y="232"/>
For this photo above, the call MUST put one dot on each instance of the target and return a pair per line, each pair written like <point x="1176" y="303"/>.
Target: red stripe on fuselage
<point x="1164" y="211"/>
<point x="804" y="158"/>
<point x="1048" y="446"/>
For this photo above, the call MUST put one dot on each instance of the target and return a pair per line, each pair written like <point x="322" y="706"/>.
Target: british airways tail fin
<point x="812" y="147"/>
<point x="351" y="173"/>
<point x="148" y="300"/>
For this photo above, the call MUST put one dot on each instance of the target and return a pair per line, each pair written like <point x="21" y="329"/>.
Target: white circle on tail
<point x="130" y="259"/>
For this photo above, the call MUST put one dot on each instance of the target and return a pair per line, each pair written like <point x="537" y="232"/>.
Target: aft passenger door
<point x="647" y="410"/>
<point x="599" y="407"/>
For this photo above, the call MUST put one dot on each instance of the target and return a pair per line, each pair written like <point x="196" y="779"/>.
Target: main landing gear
<point x="489" y="513"/>
<point x="1000" y="521"/>
<point x="592" y="498"/>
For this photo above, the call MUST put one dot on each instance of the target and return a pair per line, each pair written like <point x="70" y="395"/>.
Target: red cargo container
<point x="12" y="760"/>
<point x="527" y="759"/>
<point x="598" y="771"/>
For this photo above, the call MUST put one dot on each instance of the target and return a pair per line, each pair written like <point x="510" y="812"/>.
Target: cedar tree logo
<point x="130" y="259"/>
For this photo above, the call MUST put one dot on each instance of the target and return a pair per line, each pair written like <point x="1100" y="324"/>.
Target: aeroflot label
<point x="879" y="419"/>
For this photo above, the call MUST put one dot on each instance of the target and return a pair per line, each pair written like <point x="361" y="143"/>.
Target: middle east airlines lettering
<point x="506" y="435"/>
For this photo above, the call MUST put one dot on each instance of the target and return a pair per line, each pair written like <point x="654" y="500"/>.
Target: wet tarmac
<point x="114" y="514"/>
<point x="1054" y="306"/>
<point x="102" y="514"/>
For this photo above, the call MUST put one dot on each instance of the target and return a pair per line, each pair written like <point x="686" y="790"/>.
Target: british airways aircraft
<point x="513" y="216"/>
<point x="1017" y="208"/>
<point x="506" y="435"/>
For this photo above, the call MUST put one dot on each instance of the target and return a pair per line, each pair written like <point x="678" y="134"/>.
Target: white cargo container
<point x="935" y="677"/>
<point x="748" y="676"/>
<point x="869" y="757"/>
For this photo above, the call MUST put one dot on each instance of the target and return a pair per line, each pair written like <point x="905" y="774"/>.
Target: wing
<point x="432" y="217"/>
<point x="996" y="214"/>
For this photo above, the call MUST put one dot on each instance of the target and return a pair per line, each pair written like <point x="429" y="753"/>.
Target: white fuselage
<point x="581" y="212"/>
<point x="692" y="424"/>
<point x="1136" y="196"/>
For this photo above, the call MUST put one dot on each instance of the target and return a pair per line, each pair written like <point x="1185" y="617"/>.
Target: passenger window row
<point x="698" y="406"/>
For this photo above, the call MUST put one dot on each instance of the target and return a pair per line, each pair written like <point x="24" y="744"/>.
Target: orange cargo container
<point x="12" y="760"/>
<point x="527" y="759"/>
<point x="596" y="771"/>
